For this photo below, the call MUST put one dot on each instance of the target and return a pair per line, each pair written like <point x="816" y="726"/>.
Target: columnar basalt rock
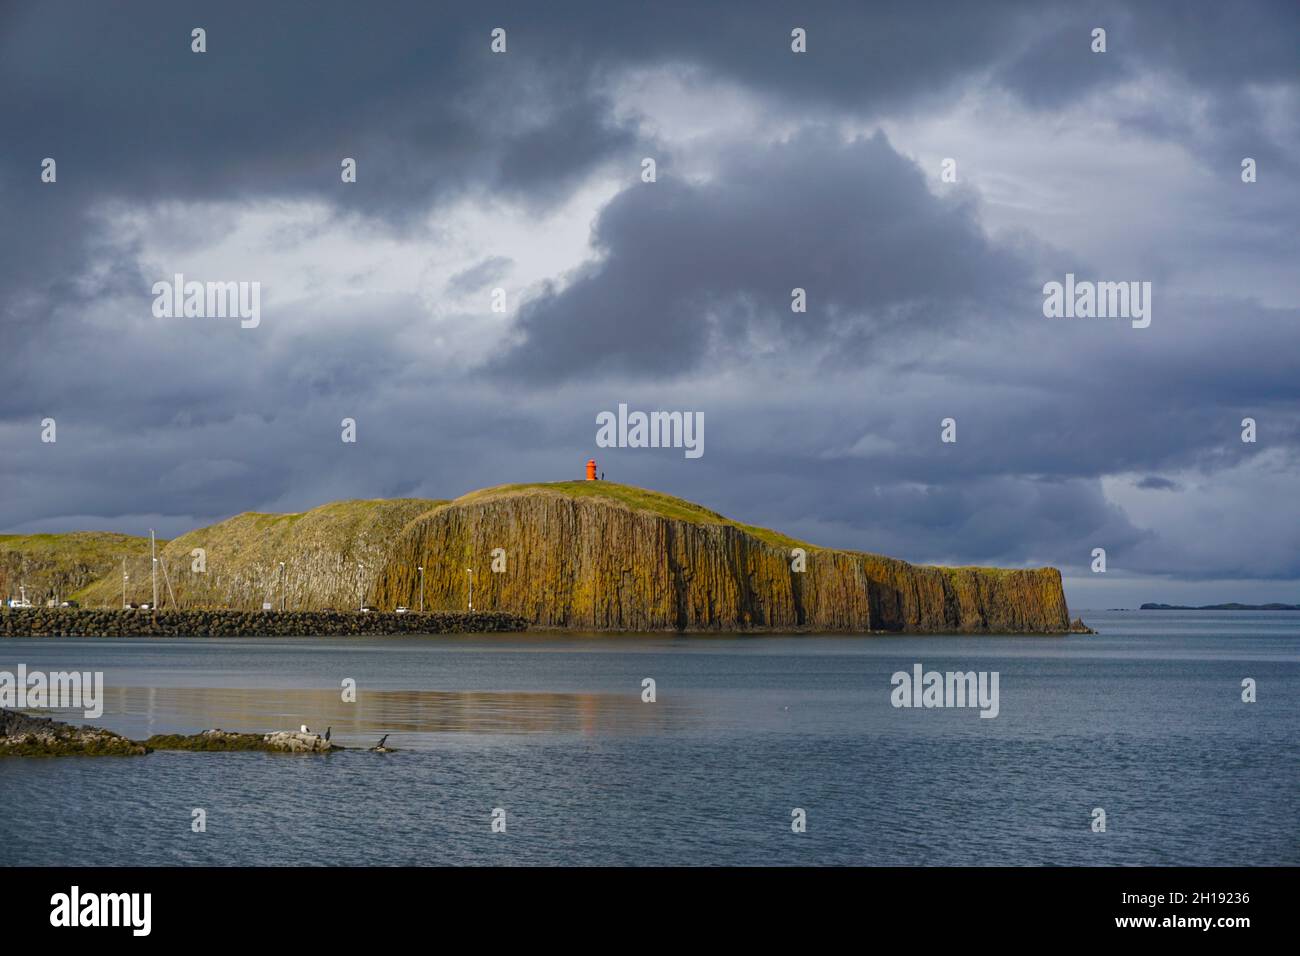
<point x="593" y="562"/>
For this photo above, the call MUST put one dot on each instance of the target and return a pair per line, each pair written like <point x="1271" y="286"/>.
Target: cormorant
<point x="327" y="733"/>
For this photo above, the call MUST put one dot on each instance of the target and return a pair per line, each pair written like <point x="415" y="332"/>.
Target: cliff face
<point x="590" y="562"/>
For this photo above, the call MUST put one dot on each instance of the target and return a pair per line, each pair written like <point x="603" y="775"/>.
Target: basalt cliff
<point x="593" y="556"/>
<point x="600" y="556"/>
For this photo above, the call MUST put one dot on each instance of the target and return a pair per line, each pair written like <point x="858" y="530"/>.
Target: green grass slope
<point x="57" y="566"/>
<point x="330" y="554"/>
<point x="639" y="499"/>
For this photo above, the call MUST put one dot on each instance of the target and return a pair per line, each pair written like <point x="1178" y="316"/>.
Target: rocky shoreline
<point x="113" y="622"/>
<point x="25" y="736"/>
<point x="225" y="741"/>
<point x="22" y="735"/>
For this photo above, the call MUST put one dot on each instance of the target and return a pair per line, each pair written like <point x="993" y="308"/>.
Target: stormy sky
<point x="522" y="171"/>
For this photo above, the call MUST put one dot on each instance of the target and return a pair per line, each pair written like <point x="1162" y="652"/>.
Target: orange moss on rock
<point x="612" y="557"/>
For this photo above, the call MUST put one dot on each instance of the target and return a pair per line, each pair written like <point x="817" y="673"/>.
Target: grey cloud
<point x="686" y="269"/>
<point x="480" y="275"/>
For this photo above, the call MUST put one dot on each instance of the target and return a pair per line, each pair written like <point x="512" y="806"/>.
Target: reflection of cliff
<point x="593" y="555"/>
<point x="376" y="712"/>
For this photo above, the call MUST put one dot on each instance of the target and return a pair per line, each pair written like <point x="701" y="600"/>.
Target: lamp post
<point x="281" y="585"/>
<point x="421" y="570"/>
<point x="469" y="574"/>
<point x="362" y="599"/>
<point x="153" y="608"/>
<point x="124" y="584"/>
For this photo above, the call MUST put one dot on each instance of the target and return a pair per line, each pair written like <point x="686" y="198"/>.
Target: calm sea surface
<point x="1144" y="720"/>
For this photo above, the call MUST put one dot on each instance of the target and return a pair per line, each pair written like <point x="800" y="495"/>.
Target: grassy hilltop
<point x="641" y="499"/>
<point x="577" y="554"/>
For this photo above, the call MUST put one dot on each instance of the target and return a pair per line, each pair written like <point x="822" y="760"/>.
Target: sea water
<point x="554" y="735"/>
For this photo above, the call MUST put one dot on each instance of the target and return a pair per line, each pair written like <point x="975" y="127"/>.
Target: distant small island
<point x="1221" y="607"/>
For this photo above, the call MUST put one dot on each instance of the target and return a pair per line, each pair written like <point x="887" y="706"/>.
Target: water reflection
<point x="142" y="711"/>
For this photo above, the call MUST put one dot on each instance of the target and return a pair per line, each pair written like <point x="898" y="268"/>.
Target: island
<point x="570" y="555"/>
<point x="1220" y="607"/>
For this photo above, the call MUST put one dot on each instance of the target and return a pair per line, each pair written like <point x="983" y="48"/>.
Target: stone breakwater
<point x="89" y="622"/>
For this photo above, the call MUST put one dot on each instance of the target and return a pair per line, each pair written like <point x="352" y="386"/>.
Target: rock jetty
<point x="111" y="622"/>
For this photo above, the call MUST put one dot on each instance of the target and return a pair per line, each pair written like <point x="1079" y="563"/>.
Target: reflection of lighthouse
<point x="591" y="469"/>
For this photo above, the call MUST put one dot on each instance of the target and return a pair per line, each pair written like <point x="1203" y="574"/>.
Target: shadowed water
<point x="1144" y="720"/>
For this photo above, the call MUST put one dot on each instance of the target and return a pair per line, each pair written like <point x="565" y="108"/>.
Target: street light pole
<point x="421" y="570"/>
<point x="124" y="584"/>
<point x="153" y="551"/>
<point x="469" y="573"/>
<point x="281" y="585"/>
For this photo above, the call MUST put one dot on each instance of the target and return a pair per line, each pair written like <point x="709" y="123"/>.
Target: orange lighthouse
<point x="591" y="469"/>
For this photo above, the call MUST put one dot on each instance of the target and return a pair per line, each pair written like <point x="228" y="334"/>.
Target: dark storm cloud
<point x="1060" y="66"/>
<point x="1216" y="48"/>
<point x="282" y="95"/>
<point x="684" y="270"/>
<point x="413" y="92"/>
<point x="117" y="98"/>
